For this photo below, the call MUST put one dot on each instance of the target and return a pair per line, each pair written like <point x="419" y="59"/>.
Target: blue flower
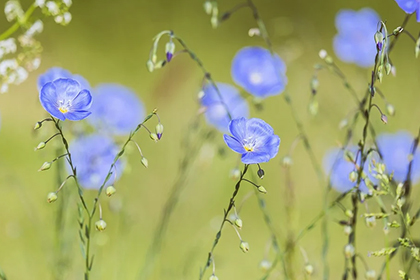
<point x="410" y="6"/>
<point x="116" y="110"/>
<point x="395" y="150"/>
<point x="55" y="73"/>
<point x="65" y="98"/>
<point x="258" y="72"/>
<point x="92" y="157"/>
<point x="355" y="42"/>
<point x="254" y="139"/>
<point x="215" y="113"/>
<point x="338" y="167"/>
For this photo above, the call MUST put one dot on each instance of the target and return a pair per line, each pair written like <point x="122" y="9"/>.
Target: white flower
<point x="13" y="10"/>
<point x="59" y="19"/>
<point x="67" y="17"/>
<point x="4" y="88"/>
<point x="36" y="28"/>
<point x="40" y="3"/>
<point x="8" y="46"/>
<point x="21" y="75"/>
<point x="67" y="2"/>
<point x="7" y="65"/>
<point x="52" y="8"/>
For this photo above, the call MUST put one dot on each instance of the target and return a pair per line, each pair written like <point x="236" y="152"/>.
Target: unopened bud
<point x="309" y="269"/>
<point x="159" y="130"/>
<point x="398" y="30"/>
<point x="40" y="146"/>
<point x="238" y="223"/>
<point x="110" y="190"/>
<point x="169" y="49"/>
<point x="349" y="251"/>
<point x="160" y="64"/>
<point x="37" y="125"/>
<point x="390" y="109"/>
<point x="343" y="124"/>
<point x="353" y="176"/>
<point x="370" y="274"/>
<point x="145" y="162"/>
<point x="313" y="107"/>
<point x="154" y="136"/>
<point x="51" y="197"/>
<point x="214" y="21"/>
<point x="349" y="213"/>
<point x="314" y="84"/>
<point x="287" y="161"/>
<point x="261" y="189"/>
<point x="384" y="118"/>
<point x="244" y="246"/>
<point x="150" y="66"/>
<point x="45" y="166"/>
<point x="265" y="265"/>
<point x="235" y="174"/>
<point x="254" y="32"/>
<point x="213" y="277"/>
<point x="417" y="49"/>
<point x="100" y="225"/>
<point x="200" y="94"/>
<point x="348" y="230"/>
<point x="371" y="221"/>
<point x="379" y="38"/>
<point x="322" y="54"/>
<point x="260" y="173"/>
<point x="388" y="68"/>
<point x="379" y="73"/>
<point x="399" y="190"/>
<point x="208" y="6"/>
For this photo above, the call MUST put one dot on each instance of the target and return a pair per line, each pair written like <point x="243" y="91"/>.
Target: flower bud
<point x="390" y="109"/>
<point x="261" y="189"/>
<point x="214" y="21"/>
<point x="145" y="162"/>
<point x="45" y="166"/>
<point x="388" y="68"/>
<point x="100" y="225"/>
<point x="238" y="223"/>
<point x="309" y="269"/>
<point x="110" y="190"/>
<point x="200" y="94"/>
<point x="349" y="251"/>
<point x="353" y="176"/>
<point x="313" y="107"/>
<point x="213" y="277"/>
<point x="398" y="30"/>
<point x="37" y="125"/>
<point x="159" y="130"/>
<point x="160" y="64"/>
<point x="154" y="136"/>
<point x="40" y="146"/>
<point x="349" y="213"/>
<point x="348" y="230"/>
<point x="244" y="246"/>
<point x="417" y="49"/>
<point x="287" y="161"/>
<point x="254" y="32"/>
<point x="370" y="274"/>
<point x="235" y="174"/>
<point x="260" y="173"/>
<point x="51" y="197"/>
<point x="384" y="118"/>
<point x="314" y="84"/>
<point x="208" y="7"/>
<point x="265" y="265"/>
<point x="379" y="38"/>
<point x="169" y="50"/>
<point x="343" y="124"/>
<point x="371" y="221"/>
<point x="322" y="54"/>
<point x="150" y="66"/>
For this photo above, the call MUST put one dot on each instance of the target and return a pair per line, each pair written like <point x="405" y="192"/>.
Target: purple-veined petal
<point x="238" y="128"/>
<point x="234" y="144"/>
<point x="258" y="128"/>
<point x="48" y="99"/>
<point x="51" y="75"/>
<point x="66" y="89"/>
<point x="255" y="157"/>
<point x="82" y="101"/>
<point x="77" y="115"/>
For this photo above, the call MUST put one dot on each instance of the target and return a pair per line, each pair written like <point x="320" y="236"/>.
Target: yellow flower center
<point x="63" y="109"/>
<point x="248" y="148"/>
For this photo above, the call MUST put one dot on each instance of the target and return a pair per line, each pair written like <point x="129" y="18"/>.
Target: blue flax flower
<point x="355" y="42"/>
<point x="92" y="157"/>
<point x="55" y="73"/>
<point x="258" y="72"/>
<point x="338" y="167"/>
<point x="216" y="113"/>
<point x="254" y="139"/>
<point x="396" y="149"/>
<point x="116" y="110"/>
<point x="65" y="98"/>
<point x="410" y="6"/>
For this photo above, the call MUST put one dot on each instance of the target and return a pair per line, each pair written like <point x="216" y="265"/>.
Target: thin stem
<point x="12" y="29"/>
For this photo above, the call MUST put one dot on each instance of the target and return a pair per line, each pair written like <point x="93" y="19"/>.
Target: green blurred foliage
<point x="109" y="41"/>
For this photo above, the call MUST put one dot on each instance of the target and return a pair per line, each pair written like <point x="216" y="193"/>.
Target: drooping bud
<point x="388" y="68"/>
<point x="309" y="269"/>
<point x="45" y="166"/>
<point x="348" y="230"/>
<point x="208" y="7"/>
<point x="159" y="130"/>
<point x="313" y="107"/>
<point x="154" y="136"/>
<point x="110" y="190"/>
<point x="349" y="251"/>
<point x="238" y="222"/>
<point x="349" y="213"/>
<point x="254" y="32"/>
<point x="100" y="225"/>
<point x="235" y="174"/>
<point x="214" y="21"/>
<point x="314" y="85"/>
<point x="145" y="162"/>
<point x="150" y="66"/>
<point x="260" y="173"/>
<point x="261" y="189"/>
<point x="322" y="54"/>
<point x="398" y="30"/>
<point x="213" y="277"/>
<point x="353" y="176"/>
<point x="370" y="274"/>
<point x="384" y="118"/>
<point x="51" y="197"/>
<point x="390" y="109"/>
<point x="265" y="265"/>
<point x="169" y="50"/>
<point x="244" y="246"/>
<point x="40" y="146"/>
<point x="37" y="125"/>
<point x="371" y="221"/>
<point x="379" y="38"/>
<point x="287" y="161"/>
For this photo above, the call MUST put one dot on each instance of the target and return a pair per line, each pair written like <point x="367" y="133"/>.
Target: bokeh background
<point x="109" y="41"/>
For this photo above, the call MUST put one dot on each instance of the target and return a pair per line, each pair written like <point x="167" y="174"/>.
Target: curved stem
<point x="12" y="29"/>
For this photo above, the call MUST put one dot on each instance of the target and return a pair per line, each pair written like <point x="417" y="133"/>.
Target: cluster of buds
<point x="210" y="7"/>
<point x="383" y="62"/>
<point x="153" y="63"/>
<point x="58" y="9"/>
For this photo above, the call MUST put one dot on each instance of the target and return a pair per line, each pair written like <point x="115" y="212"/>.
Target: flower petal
<point x="82" y="101"/>
<point x="48" y="99"/>
<point x="408" y="6"/>
<point x="238" y="128"/>
<point x="234" y="144"/>
<point x="77" y="115"/>
<point x="255" y="157"/>
<point x="66" y="89"/>
<point x="258" y="128"/>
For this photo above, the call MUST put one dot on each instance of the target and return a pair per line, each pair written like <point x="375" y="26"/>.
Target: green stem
<point x="12" y="29"/>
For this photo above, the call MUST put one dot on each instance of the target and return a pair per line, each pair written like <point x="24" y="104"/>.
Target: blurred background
<point x="109" y="41"/>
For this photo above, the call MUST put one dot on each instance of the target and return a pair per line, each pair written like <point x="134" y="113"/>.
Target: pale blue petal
<point x="77" y="115"/>
<point x="234" y="144"/>
<point x="255" y="157"/>
<point x="408" y="6"/>
<point x="82" y="101"/>
<point x="237" y="128"/>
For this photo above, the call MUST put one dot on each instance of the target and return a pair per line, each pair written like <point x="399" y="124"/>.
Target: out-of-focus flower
<point x="13" y="10"/>
<point x="254" y="139"/>
<point x="355" y="42"/>
<point x="116" y="110"/>
<point x="7" y="46"/>
<point x="215" y="106"/>
<point x="55" y="73"/>
<point x="396" y="149"/>
<point x="35" y="28"/>
<point x="259" y="72"/>
<point x="343" y="172"/>
<point x="11" y="73"/>
<point x="65" y="98"/>
<point x="410" y="6"/>
<point x="92" y="157"/>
